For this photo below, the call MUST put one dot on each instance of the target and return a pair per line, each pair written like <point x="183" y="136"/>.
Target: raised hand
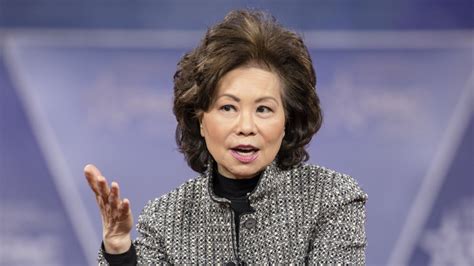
<point x="117" y="218"/>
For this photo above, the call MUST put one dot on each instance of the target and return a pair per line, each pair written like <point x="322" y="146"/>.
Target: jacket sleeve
<point x="339" y="234"/>
<point x="128" y="258"/>
<point x="149" y="245"/>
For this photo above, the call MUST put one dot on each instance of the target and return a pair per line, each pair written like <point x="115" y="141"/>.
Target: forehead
<point x="250" y="82"/>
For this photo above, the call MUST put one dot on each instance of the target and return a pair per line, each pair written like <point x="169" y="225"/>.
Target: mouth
<point x="245" y="149"/>
<point x="245" y="153"/>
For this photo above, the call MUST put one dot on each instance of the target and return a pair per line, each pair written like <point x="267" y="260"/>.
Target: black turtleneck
<point x="236" y="191"/>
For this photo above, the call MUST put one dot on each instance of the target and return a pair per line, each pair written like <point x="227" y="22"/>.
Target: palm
<point x="117" y="218"/>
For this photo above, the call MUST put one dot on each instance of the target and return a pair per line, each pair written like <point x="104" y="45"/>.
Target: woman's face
<point x="245" y="125"/>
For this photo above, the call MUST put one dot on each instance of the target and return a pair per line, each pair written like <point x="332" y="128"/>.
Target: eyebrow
<point x="237" y="99"/>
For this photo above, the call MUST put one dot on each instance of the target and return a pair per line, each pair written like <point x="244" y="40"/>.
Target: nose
<point x="246" y="124"/>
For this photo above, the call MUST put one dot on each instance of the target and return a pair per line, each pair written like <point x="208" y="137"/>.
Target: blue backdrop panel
<point x="34" y="226"/>
<point x="447" y="236"/>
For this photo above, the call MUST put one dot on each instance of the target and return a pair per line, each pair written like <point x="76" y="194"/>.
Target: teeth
<point x="245" y="152"/>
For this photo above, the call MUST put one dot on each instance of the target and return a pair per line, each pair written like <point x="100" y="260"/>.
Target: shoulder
<point x="328" y="184"/>
<point x="187" y="193"/>
<point x="341" y="186"/>
<point x="326" y="191"/>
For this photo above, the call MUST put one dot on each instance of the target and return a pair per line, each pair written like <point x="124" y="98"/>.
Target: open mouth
<point x="245" y="153"/>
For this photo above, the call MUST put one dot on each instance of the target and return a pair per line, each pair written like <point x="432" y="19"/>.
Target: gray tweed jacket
<point x="306" y="215"/>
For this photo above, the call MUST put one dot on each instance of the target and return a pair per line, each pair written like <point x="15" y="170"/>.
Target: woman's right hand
<point x="117" y="218"/>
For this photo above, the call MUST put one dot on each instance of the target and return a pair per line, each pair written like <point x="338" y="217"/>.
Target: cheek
<point x="275" y="133"/>
<point x="214" y="132"/>
<point x="208" y="125"/>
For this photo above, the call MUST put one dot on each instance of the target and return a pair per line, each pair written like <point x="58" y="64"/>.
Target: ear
<point x="201" y="129"/>
<point x="200" y="125"/>
<point x="199" y="115"/>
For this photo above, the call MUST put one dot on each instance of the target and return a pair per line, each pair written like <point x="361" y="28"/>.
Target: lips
<point x="245" y="153"/>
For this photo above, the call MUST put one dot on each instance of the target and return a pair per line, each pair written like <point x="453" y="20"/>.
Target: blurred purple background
<point x="89" y="81"/>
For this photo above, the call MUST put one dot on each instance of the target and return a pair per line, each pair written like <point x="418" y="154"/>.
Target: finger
<point x="104" y="189"/>
<point x="91" y="173"/>
<point x="125" y="208"/>
<point x="92" y="170"/>
<point x="114" y="196"/>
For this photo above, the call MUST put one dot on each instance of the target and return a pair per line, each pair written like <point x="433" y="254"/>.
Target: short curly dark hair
<point x="247" y="37"/>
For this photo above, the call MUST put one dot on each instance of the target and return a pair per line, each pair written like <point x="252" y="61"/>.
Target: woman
<point x="246" y="107"/>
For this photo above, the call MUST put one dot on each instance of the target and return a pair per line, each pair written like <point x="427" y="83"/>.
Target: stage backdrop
<point x="398" y="108"/>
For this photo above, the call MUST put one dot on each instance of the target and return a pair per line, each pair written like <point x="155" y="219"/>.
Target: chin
<point x="243" y="171"/>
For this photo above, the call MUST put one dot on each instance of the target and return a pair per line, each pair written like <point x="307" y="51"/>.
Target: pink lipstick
<point x="245" y="153"/>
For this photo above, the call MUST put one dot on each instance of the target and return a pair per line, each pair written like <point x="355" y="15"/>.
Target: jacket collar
<point x="265" y="186"/>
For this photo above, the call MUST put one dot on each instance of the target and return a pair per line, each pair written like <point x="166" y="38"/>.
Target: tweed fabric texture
<point x="305" y="215"/>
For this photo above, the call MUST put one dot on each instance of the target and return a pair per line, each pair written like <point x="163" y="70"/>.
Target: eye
<point x="227" y="108"/>
<point x="264" y="109"/>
